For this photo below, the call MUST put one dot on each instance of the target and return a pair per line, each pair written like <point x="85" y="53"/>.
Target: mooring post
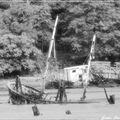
<point x="35" y="110"/>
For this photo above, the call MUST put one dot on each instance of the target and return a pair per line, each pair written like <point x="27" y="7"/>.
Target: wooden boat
<point x="30" y="95"/>
<point x="26" y="96"/>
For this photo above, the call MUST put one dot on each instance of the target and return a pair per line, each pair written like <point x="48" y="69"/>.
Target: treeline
<point x="26" y="30"/>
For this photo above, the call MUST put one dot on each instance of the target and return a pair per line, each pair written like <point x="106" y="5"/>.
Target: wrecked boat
<point x="25" y="94"/>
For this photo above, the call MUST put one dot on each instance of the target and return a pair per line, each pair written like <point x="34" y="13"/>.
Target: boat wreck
<point x="24" y="94"/>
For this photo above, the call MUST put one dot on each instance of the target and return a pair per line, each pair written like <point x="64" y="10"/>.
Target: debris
<point x="68" y="112"/>
<point x="111" y="99"/>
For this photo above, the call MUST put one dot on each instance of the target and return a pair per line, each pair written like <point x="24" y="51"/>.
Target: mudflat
<point x="97" y="107"/>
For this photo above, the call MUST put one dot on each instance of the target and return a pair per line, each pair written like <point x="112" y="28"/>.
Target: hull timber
<point x="28" y="94"/>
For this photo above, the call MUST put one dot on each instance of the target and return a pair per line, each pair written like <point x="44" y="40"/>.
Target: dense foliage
<point x="75" y="30"/>
<point x="26" y="30"/>
<point x="18" y="53"/>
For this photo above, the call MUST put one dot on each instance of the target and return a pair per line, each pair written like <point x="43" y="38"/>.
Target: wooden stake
<point x="35" y="110"/>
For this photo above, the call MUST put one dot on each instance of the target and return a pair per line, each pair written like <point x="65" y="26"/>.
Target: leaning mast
<point x="52" y="45"/>
<point x="91" y="56"/>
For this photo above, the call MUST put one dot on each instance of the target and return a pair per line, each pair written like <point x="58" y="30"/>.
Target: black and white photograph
<point x="59" y="59"/>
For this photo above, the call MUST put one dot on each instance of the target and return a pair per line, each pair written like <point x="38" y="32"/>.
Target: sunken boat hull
<point x="26" y="96"/>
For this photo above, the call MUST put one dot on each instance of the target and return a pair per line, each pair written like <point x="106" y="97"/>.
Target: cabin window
<point x="74" y="71"/>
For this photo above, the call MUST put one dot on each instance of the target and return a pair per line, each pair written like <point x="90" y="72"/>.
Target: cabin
<point x="75" y="72"/>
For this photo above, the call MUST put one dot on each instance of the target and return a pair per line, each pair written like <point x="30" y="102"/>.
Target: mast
<point x="52" y="45"/>
<point x="91" y="56"/>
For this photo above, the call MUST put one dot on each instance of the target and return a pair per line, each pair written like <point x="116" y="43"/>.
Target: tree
<point x="18" y="53"/>
<point x="75" y="29"/>
<point x="34" y="20"/>
<point x="4" y="5"/>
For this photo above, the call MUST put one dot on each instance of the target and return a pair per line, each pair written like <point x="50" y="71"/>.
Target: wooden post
<point x="54" y="50"/>
<point x="18" y="84"/>
<point x="35" y="110"/>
